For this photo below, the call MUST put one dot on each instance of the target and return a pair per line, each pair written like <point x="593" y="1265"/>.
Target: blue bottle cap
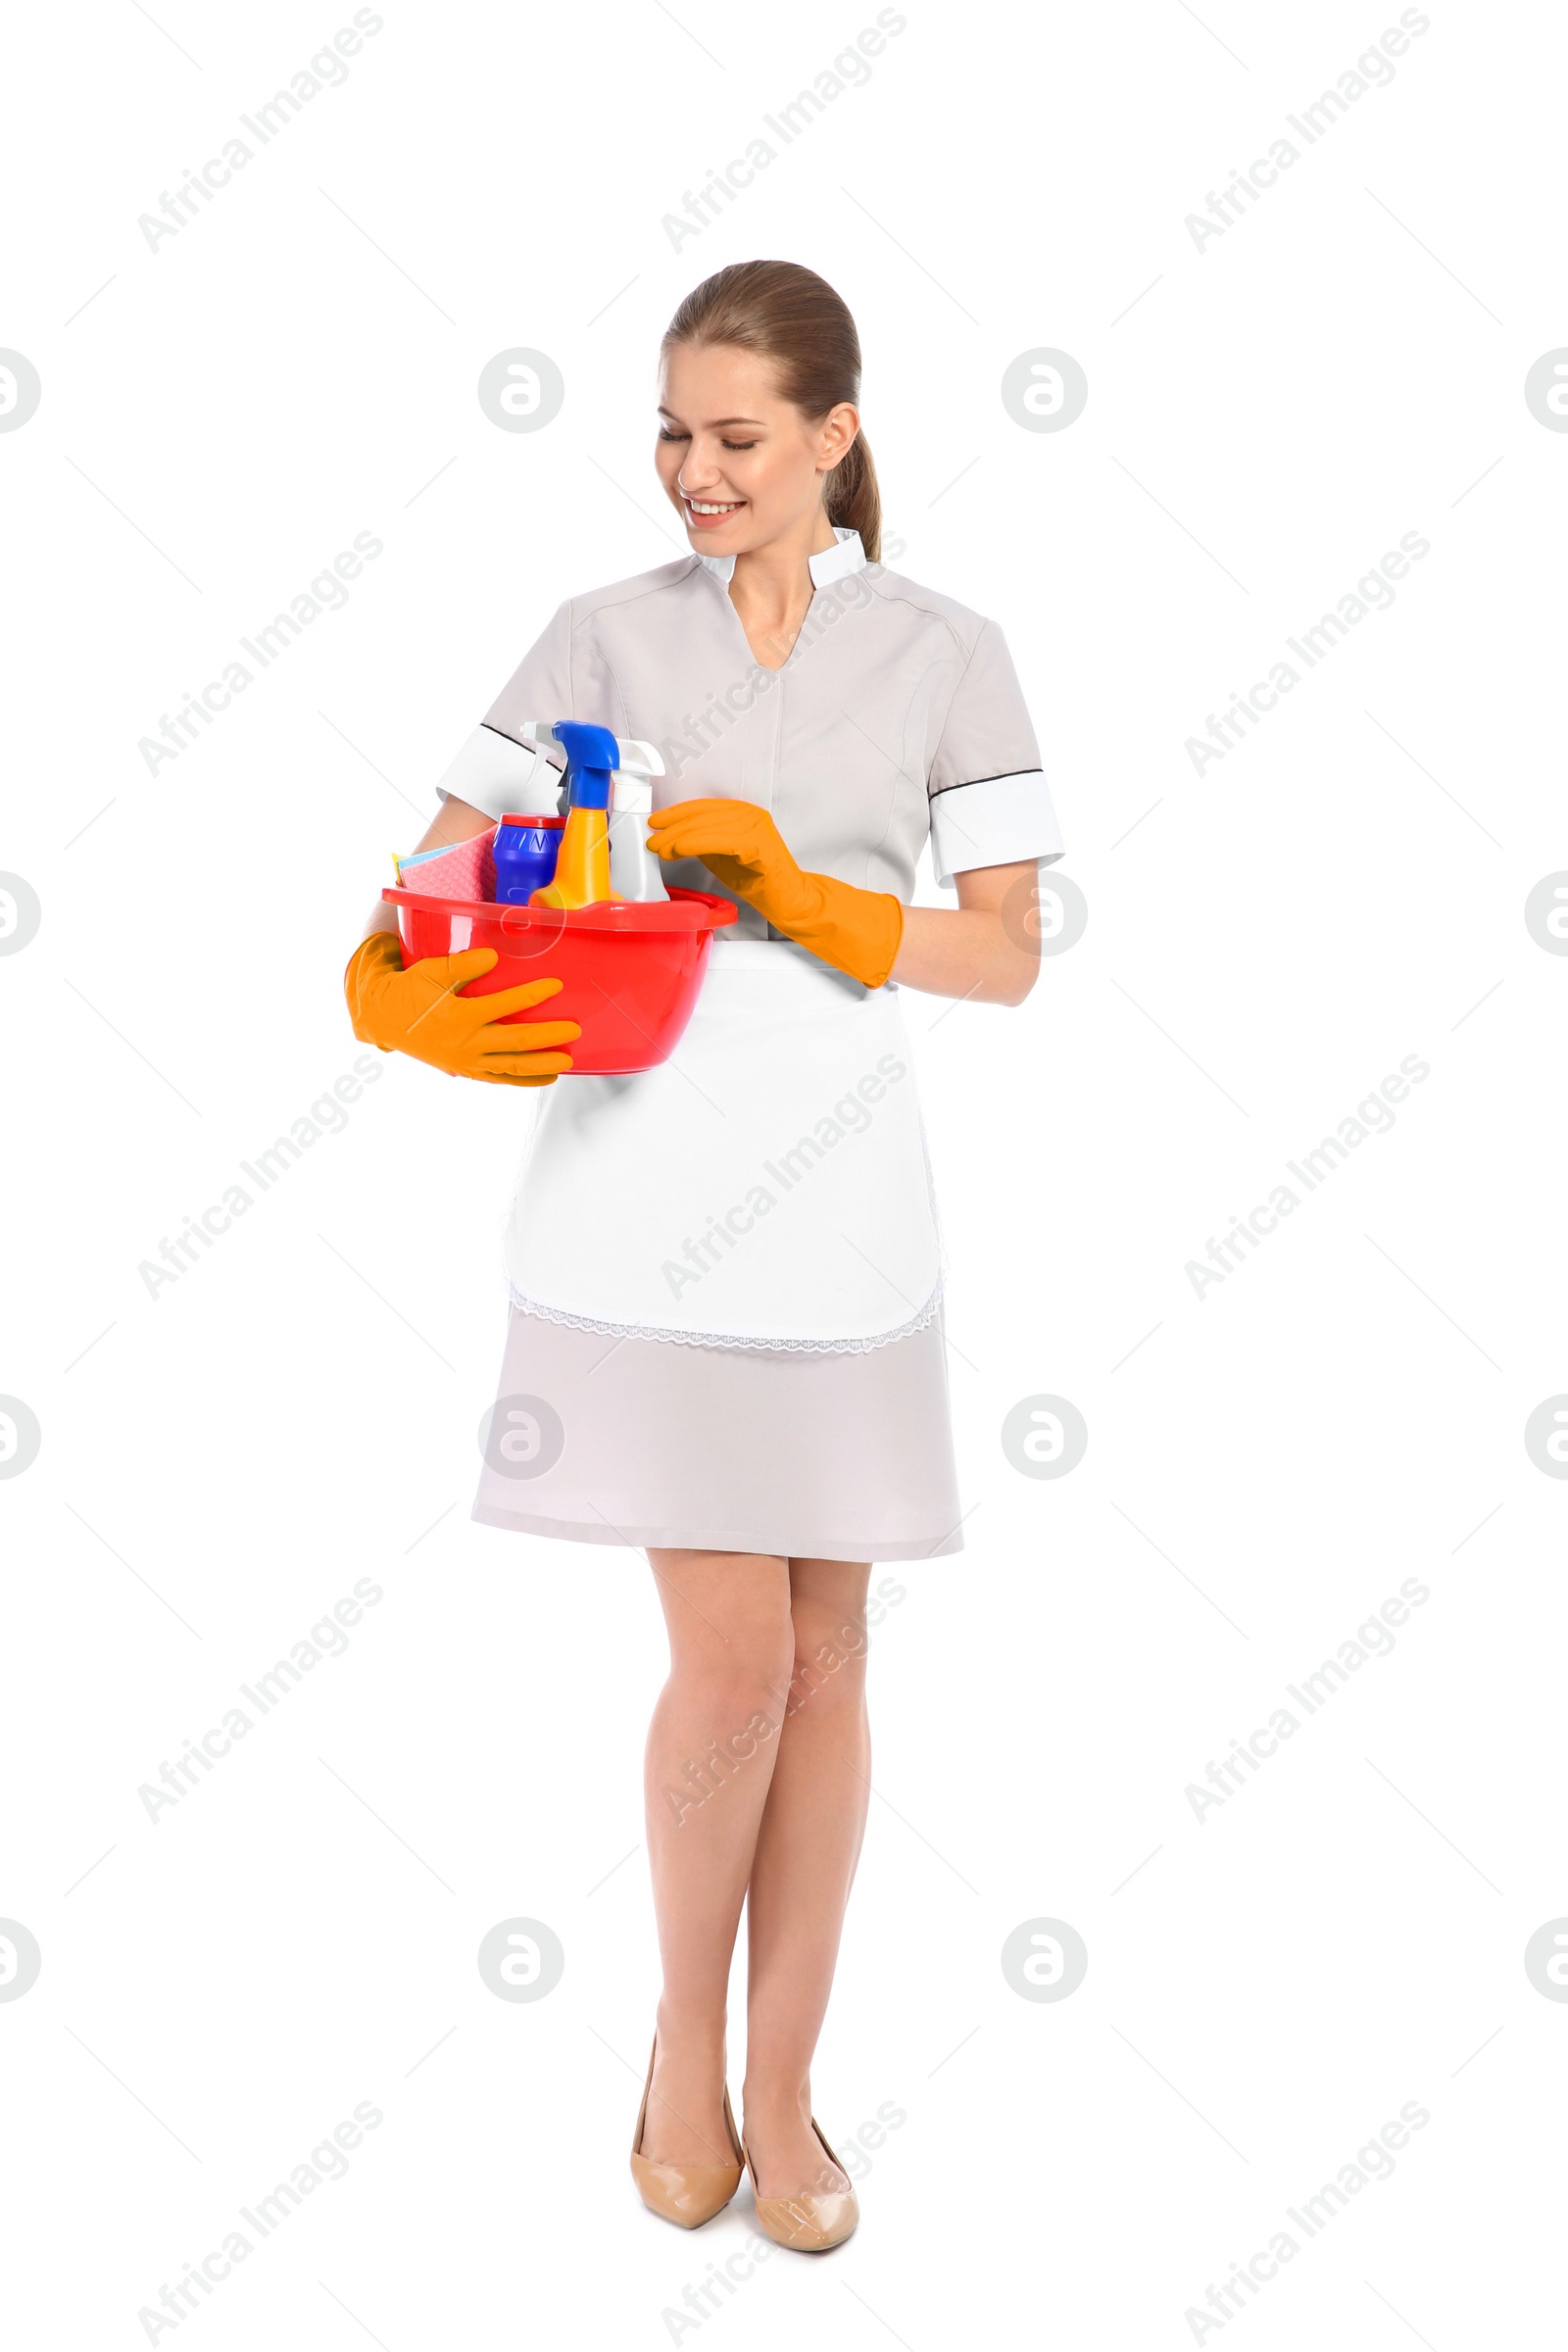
<point x="592" y="753"/>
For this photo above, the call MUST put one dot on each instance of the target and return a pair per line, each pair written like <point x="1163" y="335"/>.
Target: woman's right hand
<point x="418" y="1012"/>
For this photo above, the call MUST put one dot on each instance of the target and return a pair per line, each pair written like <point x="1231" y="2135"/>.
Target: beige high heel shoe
<point x="687" y="2194"/>
<point x="813" y="2220"/>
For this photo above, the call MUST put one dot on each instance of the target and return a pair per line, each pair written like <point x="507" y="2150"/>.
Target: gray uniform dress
<point x="896" y="718"/>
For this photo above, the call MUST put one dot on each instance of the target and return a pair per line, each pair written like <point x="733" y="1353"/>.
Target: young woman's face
<point x="742" y="467"/>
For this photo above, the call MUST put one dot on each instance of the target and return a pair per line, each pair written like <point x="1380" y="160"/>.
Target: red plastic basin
<point x="629" y="974"/>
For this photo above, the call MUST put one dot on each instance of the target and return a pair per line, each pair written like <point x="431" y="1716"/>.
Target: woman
<point x="725" y="1344"/>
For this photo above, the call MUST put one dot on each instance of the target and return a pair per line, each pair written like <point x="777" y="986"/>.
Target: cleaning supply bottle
<point x="636" y="872"/>
<point x="524" y="856"/>
<point x="582" y="867"/>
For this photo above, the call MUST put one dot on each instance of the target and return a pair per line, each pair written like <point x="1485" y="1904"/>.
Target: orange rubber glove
<point x="418" y="1012"/>
<point x="860" y="931"/>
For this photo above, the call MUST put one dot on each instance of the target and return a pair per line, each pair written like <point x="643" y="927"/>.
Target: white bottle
<point x="636" y="872"/>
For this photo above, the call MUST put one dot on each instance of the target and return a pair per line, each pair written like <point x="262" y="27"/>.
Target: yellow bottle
<point x="582" y="869"/>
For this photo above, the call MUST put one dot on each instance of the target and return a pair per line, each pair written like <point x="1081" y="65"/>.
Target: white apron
<point x="765" y="1187"/>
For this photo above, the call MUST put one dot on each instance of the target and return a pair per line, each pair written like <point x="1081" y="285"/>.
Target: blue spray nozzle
<point x="591" y="757"/>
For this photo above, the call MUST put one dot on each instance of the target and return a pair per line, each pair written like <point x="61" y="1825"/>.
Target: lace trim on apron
<point x="729" y="1339"/>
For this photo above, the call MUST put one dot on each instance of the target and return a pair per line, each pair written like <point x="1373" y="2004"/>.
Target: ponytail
<point x="853" y="498"/>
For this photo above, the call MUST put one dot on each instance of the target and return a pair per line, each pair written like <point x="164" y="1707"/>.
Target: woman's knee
<point x="827" y="1619"/>
<point x="827" y="1669"/>
<point x="730" y="1627"/>
<point x="753" y="1677"/>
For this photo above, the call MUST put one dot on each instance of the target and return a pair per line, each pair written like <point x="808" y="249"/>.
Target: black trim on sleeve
<point x="1002" y="777"/>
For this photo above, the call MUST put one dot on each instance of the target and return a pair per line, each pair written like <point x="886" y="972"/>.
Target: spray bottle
<point x="582" y="869"/>
<point x="636" y="872"/>
<point x="609" y="795"/>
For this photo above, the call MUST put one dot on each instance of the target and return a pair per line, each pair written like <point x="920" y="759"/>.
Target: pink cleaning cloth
<point x="467" y="870"/>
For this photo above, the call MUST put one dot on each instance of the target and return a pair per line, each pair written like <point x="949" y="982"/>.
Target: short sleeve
<point x="494" y="771"/>
<point x="990" y="802"/>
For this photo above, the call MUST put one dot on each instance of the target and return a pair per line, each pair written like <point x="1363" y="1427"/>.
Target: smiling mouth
<point x="708" y="512"/>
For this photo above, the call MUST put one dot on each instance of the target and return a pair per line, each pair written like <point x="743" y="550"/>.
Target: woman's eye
<point x="740" y="444"/>
<point x="665" y="434"/>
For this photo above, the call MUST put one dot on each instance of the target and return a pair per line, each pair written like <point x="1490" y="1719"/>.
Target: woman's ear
<point x="835" y="434"/>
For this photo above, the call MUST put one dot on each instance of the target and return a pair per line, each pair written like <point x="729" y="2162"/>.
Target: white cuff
<point x="496" y="775"/>
<point x="997" y="821"/>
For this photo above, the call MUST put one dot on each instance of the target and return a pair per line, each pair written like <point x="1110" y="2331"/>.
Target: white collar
<point x="833" y="564"/>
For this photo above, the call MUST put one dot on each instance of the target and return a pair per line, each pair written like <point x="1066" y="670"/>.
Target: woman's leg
<point x="807" y="1850"/>
<point x="712" y="1745"/>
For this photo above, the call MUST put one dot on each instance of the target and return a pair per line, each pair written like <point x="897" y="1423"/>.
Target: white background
<point x="1266" y="1464"/>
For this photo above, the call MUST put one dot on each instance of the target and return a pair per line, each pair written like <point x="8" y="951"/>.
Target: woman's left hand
<point x="740" y="843"/>
<point x="858" y="931"/>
